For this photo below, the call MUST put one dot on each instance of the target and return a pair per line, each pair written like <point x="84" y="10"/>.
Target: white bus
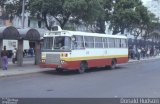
<point x="73" y="50"/>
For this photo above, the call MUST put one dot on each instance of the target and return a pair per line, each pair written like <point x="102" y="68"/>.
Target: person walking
<point x="4" y="55"/>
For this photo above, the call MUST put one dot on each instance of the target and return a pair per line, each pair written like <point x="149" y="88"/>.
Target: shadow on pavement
<point x="91" y="70"/>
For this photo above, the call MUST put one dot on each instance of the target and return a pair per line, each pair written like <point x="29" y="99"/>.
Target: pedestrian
<point x="4" y="56"/>
<point x="142" y="52"/>
<point x="148" y="53"/>
<point x="134" y="50"/>
<point x="151" y="51"/>
<point x="139" y="54"/>
<point x="32" y="52"/>
<point x="25" y="52"/>
<point x="14" y="57"/>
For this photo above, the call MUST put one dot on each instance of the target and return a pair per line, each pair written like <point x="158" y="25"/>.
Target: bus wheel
<point x="59" y="70"/>
<point x="113" y="64"/>
<point x="83" y="67"/>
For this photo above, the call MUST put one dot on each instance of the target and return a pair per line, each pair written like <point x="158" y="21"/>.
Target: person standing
<point x="148" y="53"/>
<point x="4" y="55"/>
<point x="139" y="54"/>
<point x="14" y="57"/>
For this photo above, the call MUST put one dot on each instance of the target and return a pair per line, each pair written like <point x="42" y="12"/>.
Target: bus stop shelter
<point x="12" y="33"/>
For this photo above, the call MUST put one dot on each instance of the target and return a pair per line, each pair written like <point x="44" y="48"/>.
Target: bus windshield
<point x="48" y="43"/>
<point x="62" y="42"/>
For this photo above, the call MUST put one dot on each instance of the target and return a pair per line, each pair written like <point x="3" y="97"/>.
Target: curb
<point x="143" y="60"/>
<point x="2" y="75"/>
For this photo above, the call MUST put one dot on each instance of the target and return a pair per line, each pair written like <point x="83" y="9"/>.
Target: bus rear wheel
<point x="113" y="64"/>
<point x="83" y="67"/>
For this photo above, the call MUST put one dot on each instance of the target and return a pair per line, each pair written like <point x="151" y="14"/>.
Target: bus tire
<point x="59" y="70"/>
<point x="113" y="64"/>
<point x="83" y="67"/>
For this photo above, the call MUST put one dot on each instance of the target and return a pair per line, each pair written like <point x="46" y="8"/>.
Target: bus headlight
<point x="43" y="60"/>
<point x="62" y="62"/>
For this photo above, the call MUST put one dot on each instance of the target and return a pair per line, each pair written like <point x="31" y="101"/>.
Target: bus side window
<point x="78" y="43"/>
<point x="120" y="43"/>
<point x="117" y="43"/>
<point x="74" y="43"/>
<point x="124" y="43"/>
<point x="89" y="41"/>
<point x="105" y="42"/>
<point x="98" y="42"/>
<point x="111" y="43"/>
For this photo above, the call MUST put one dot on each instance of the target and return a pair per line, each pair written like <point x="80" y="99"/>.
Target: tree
<point x="66" y="10"/>
<point x="128" y="14"/>
<point x="106" y="7"/>
<point x="12" y="8"/>
<point x="2" y="3"/>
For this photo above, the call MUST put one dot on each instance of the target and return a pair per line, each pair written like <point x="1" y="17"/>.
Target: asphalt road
<point x="128" y="80"/>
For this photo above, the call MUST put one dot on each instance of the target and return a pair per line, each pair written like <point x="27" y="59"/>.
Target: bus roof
<point x="71" y="33"/>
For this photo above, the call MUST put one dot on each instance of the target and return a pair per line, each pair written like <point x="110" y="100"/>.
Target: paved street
<point x="129" y="80"/>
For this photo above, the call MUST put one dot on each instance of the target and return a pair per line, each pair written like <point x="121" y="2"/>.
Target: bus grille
<point x="52" y="59"/>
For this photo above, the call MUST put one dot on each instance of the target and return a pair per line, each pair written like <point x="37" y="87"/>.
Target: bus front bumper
<point x="42" y="65"/>
<point x="65" y="66"/>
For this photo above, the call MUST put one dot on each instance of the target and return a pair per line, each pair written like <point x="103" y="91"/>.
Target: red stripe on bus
<point x="73" y="65"/>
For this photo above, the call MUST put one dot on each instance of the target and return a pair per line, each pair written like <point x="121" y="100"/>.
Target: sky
<point x="145" y="1"/>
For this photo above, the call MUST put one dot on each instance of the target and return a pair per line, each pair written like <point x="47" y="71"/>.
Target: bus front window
<point x="48" y="43"/>
<point x="62" y="42"/>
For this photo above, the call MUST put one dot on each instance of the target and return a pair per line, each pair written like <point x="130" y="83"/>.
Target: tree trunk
<point x="1" y="46"/>
<point x="101" y="25"/>
<point x="45" y="20"/>
<point x="20" y="53"/>
<point x="37" y="52"/>
<point x="122" y="30"/>
<point x="64" y="21"/>
<point x="115" y="31"/>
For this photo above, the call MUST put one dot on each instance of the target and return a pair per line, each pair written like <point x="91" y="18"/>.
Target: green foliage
<point x="122" y="14"/>
<point x="128" y="14"/>
<point x="151" y="26"/>
<point x="2" y="2"/>
<point x="63" y="10"/>
<point x="12" y="8"/>
<point x="105" y="8"/>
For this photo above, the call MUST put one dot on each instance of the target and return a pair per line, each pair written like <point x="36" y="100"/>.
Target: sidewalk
<point x="29" y="67"/>
<point x="144" y="59"/>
